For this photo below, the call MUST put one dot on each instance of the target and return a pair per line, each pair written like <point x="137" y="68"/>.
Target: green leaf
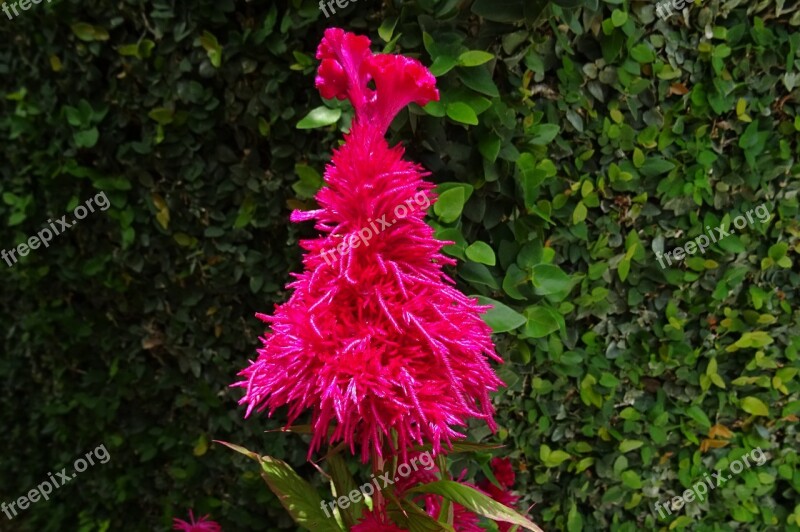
<point x="474" y="58"/>
<point x="310" y="181"/>
<point x="699" y="416"/>
<point x="500" y="10"/>
<point x="214" y="51"/>
<point x="588" y="394"/>
<point x="631" y="479"/>
<point x="579" y="214"/>
<point x="500" y="317"/>
<point x="475" y="501"/>
<point x="386" y="29"/>
<point x="246" y="212"/>
<point x="624" y="268"/>
<point x="481" y="252"/>
<point x="201" y="446"/>
<point x="184" y="240"/>
<point x="777" y="251"/>
<point x="754" y="339"/>
<point x="550" y="279"/>
<point x="654" y="166"/>
<point x="489" y="145"/>
<point x="755" y="406"/>
<point x="629" y="445"/>
<point x="552" y="458"/>
<point x="574" y="519"/>
<point x="264" y="127"/>
<point x="442" y="65"/>
<point x="461" y="112"/>
<point x="241" y="450"/>
<point x="413" y="518"/>
<point x="319" y="117"/>
<point x="477" y="274"/>
<point x="642" y="53"/>
<point x="345" y="484"/>
<point x="84" y="31"/>
<point x="16" y="218"/>
<point x="295" y="494"/>
<point x="88" y="33"/>
<point x="479" y="79"/>
<point x="450" y="205"/>
<point x="162" y="115"/>
<point x="541" y="322"/>
<point x="543" y="134"/>
<point x="86" y="139"/>
<point x="466" y="446"/>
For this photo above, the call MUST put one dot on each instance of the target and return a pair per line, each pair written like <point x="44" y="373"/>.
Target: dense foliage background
<point x="571" y="145"/>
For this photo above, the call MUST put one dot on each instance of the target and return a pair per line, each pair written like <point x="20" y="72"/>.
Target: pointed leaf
<point x="296" y="495"/>
<point x="320" y="117"/>
<point x="481" y="252"/>
<point x="345" y="484"/>
<point x="474" y="58"/>
<point x="755" y="406"/>
<point x="500" y="317"/>
<point x="461" y="112"/>
<point x="475" y="501"/>
<point x="449" y="205"/>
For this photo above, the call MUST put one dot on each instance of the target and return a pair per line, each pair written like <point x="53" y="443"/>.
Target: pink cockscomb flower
<point x="375" y="340"/>
<point x="504" y="473"/>
<point x="201" y="525"/>
<point x="376" y="521"/>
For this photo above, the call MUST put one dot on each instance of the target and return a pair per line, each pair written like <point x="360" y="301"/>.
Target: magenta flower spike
<point x="201" y="525"/>
<point x="375" y="340"/>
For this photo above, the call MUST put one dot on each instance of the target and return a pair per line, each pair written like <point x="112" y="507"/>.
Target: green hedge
<point x="588" y="139"/>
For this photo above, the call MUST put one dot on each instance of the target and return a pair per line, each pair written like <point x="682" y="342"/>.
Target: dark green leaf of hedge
<point x="450" y="204"/>
<point x="461" y="112"/>
<point x="500" y="317"/>
<point x="550" y="279"/>
<point x="481" y="252"/>
<point x="543" y="134"/>
<point x="474" y="58"/>
<point x="499" y="10"/>
<point x="320" y="117"/>
<point x="478" y="79"/>
<point x="655" y="166"/>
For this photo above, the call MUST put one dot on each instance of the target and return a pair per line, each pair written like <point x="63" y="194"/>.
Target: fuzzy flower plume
<point x="201" y="525"/>
<point x="377" y="343"/>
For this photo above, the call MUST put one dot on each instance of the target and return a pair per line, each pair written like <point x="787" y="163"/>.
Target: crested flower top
<point x="377" y="343"/>
<point x="347" y="66"/>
